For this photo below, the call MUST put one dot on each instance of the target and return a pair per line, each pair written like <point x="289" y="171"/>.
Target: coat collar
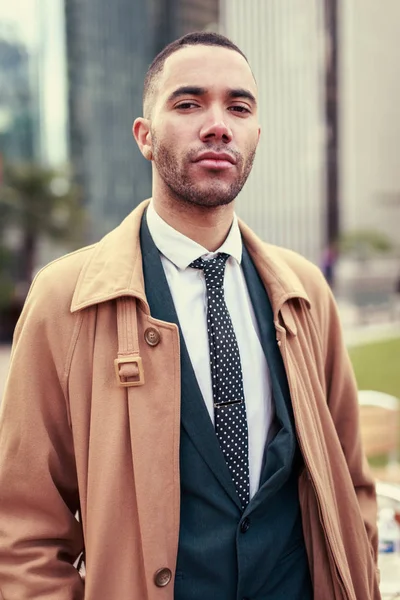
<point x="114" y="268"/>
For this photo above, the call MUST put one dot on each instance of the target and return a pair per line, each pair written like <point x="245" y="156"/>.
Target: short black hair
<point x="196" y="38"/>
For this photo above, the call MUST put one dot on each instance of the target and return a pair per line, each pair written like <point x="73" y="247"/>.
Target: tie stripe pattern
<point x="226" y="375"/>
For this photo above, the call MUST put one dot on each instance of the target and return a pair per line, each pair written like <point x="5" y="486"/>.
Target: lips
<point x="215" y="161"/>
<point x="216" y="157"/>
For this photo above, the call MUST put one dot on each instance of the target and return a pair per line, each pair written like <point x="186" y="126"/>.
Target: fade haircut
<point x="197" y="38"/>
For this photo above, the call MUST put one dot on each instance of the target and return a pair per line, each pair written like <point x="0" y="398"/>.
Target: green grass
<point x="377" y="366"/>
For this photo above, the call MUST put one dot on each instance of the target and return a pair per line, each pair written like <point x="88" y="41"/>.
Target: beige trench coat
<point x="70" y="433"/>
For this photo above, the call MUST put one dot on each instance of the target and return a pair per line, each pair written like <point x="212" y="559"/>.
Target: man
<point x="186" y="387"/>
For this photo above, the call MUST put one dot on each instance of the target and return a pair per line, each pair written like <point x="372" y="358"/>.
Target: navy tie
<point x="226" y="375"/>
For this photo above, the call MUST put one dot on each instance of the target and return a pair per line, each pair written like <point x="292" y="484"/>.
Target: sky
<point x="22" y="12"/>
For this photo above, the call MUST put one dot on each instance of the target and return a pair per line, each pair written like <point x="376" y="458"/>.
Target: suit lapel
<point x="194" y="415"/>
<point x="281" y="434"/>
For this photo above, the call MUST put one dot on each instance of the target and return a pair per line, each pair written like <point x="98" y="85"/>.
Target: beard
<point x="176" y="175"/>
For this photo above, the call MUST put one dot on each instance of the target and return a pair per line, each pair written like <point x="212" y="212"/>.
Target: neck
<point x="208" y="226"/>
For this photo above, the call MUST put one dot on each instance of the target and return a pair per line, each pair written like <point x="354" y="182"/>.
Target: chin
<point x="221" y="193"/>
<point x="208" y="194"/>
<point x="210" y="200"/>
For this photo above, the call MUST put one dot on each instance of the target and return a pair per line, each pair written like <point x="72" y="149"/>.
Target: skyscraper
<point x="17" y="108"/>
<point x="110" y="46"/>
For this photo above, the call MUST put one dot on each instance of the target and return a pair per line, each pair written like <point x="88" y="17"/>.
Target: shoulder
<point x="58" y="279"/>
<point x="48" y="303"/>
<point x="300" y="274"/>
<point x="47" y="328"/>
<point x="295" y="261"/>
<point x="296" y="267"/>
<point x="287" y="270"/>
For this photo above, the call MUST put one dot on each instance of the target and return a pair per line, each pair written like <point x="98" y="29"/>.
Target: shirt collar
<point x="181" y="250"/>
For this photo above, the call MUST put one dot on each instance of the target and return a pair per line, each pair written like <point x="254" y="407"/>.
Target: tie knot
<point x="214" y="269"/>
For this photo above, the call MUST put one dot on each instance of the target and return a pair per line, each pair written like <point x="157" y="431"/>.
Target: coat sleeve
<point x="39" y="536"/>
<point x="342" y="396"/>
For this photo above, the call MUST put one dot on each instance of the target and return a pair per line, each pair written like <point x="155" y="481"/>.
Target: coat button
<point x="152" y="336"/>
<point x="244" y="525"/>
<point x="162" y="577"/>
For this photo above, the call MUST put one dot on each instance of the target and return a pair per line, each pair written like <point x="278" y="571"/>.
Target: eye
<point x="186" y="105"/>
<point x="239" y="108"/>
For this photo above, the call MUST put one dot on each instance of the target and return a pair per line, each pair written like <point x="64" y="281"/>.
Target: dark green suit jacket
<point x="224" y="554"/>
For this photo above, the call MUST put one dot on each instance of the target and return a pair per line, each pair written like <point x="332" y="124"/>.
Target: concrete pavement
<point x="362" y="327"/>
<point x="373" y="332"/>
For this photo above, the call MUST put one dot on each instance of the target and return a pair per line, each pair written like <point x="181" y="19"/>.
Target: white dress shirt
<point x="188" y="289"/>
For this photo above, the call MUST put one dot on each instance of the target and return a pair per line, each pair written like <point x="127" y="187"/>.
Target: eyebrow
<point x="193" y="90"/>
<point x="242" y="93"/>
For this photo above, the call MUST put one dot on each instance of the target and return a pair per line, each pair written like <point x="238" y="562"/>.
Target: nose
<point x="216" y="128"/>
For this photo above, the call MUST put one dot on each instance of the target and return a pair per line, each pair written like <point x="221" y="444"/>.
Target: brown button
<point x="162" y="577"/>
<point x="152" y="336"/>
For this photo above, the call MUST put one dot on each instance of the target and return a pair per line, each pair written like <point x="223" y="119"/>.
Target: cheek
<point x="172" y="139"/>
<point x="181" y="131"/>
<point x="253" y="137"/>
<point x="252" y="143"/>
<point x="245" y="138"/>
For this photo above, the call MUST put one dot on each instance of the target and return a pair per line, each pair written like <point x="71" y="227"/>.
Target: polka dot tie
<point x="226" y="376"/>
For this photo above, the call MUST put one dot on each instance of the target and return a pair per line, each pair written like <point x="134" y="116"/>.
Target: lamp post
<point x="332" y="123"/>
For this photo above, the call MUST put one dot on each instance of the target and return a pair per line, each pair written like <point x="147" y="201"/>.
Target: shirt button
<point x="162" y="577"/>
<point x="152" y="336"/>
<point x="244" y="526"/>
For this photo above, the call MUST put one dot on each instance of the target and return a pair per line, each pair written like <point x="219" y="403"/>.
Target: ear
<point x="142" y="134"/>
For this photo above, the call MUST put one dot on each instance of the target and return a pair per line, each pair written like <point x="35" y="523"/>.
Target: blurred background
<point x="326" y="180"/>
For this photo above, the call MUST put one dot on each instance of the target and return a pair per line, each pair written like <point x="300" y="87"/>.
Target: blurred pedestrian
<point x="329" y="257"/>
<point x="396" y="298"/>
<point x="185" y="387"/>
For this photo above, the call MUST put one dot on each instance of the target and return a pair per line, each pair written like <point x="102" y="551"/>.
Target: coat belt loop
<point x="128" y="366"/>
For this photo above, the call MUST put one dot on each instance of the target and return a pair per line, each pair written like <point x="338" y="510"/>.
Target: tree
<point x="38" y="202"/>
<point x="364" y="243"/>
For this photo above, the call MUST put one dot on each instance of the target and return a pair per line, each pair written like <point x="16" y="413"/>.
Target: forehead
<point x="212" y="67"/>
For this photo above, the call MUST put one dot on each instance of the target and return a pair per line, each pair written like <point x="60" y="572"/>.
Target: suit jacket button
<point x="245" y="525"/>
<point x="152" y="336"/>
<point x="162" y="577"/>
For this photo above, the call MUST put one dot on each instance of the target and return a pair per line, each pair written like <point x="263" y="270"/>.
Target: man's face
<point x="204" y="126"/>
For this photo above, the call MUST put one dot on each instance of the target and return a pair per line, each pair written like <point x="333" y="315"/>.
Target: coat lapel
<point x="194" y="415"/>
